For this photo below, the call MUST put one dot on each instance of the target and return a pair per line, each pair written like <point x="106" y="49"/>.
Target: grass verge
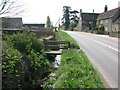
<point x="75" y="70"/>
<point x="65" y="37"/>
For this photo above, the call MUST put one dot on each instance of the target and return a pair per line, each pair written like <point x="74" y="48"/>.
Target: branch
<point x="10" y="7"/>
<point x="7" y="9"/>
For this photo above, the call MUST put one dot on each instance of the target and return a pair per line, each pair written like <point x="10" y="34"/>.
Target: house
<point x="7" y="23"/>
<point x="87" y="21"/>
<point x="34" y="25"/>
<point x="110" y="19"/>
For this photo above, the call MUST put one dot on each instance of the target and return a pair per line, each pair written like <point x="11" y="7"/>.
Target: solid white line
<point x="106" y="45"/>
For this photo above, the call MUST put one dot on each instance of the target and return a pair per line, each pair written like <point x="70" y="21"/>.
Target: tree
<point x="69" y="17"/>
<point x="99" y="26"/>
<point x="10" y="7"/>
<point x="66" y="16"/>
<point x="72" y="25"/>
<point x="74" y="16"/>
<point x="48" y="23"/>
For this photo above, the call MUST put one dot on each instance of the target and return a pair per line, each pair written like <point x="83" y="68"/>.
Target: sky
<point x="37" y="10"/>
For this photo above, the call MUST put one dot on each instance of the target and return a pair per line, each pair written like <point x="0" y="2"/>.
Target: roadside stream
<point x="55" y="65"/>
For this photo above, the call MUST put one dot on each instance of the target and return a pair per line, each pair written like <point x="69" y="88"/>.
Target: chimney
<point x="119" y="4"/>
<point x="80" y="11"/>
<point x="106" y="8"/>
<point x="93" y="10"/>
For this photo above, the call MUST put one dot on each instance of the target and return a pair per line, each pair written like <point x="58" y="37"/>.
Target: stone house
<point x="7" y="23"/>
<point x="110" y="19"/>
<point x="87" y="21"/>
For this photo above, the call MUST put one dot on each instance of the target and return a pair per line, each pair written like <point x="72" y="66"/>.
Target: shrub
<point x="72" y="25"/>
<point x="38" y="69"/>
<point x="24" y="63"/>
<point x="118" y="31"/>
<point x="11" y="66"/>
<point x="115" y="31"/>
<point x="21" y="41"/>
<point x="43" y="32"/>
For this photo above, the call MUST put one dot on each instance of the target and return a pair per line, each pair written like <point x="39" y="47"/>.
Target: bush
<point x="11" y="66"/>
<point x="24" y="41"/>
<point x="24" y="63"/>
<point x="116" y="31"/>
<point x="72" y="25"/>
<point x="38" y="69"/>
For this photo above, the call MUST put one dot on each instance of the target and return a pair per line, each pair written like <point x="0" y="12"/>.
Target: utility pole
<point x="93" y="20"/>
<point x="58" y="22"/>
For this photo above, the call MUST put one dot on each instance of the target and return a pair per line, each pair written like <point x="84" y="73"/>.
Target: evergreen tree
<point x="66" y="16"/>
<point x="69" y="16"/>
<point x="73" y="15"/>
<point x="48" y="23"/>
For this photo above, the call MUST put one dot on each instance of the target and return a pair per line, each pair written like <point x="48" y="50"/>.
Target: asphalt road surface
<point x="102" y="52"/>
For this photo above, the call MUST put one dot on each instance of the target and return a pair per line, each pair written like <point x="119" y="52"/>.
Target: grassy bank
<point x="75" y="70"/>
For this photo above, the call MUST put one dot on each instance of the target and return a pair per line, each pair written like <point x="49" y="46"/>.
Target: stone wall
<point x="115" y="27"/>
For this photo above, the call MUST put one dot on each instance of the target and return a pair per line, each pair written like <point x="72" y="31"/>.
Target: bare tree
<point x="10" y="7"/>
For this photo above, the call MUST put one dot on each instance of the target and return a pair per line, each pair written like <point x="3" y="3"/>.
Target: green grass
<point x="65" y="37"/>
<point x="115" y="31"/>
<point x="75" y="70"/>
<point x="62" y="36"/>
<point x="57" y="36"/>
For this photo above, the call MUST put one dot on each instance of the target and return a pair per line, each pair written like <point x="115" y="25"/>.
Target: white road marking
<point x="115" y="49"/>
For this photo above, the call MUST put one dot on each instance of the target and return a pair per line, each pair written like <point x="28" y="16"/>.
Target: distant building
<point x="10" y="23"/>
<point x="110" y="19"/>
<point x="34" y="25"/>
<point x="87" y="21"/>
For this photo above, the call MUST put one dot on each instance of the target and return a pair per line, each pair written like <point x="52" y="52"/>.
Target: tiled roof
<point x="118" y="20"/>
<point x="89" y="16"/>
<point x="108" y="14"/>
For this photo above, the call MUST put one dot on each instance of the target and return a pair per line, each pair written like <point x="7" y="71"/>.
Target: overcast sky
<point x="38" y="10"/>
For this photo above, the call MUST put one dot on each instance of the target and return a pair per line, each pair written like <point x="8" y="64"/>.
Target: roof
<point x="118" y="20"/>
<point x="11" y="23"/>
<point x="89" y="16"/>
<point x="10" y="17"/>
<point x="108" y="14"/>
<point x="34" y="25"/>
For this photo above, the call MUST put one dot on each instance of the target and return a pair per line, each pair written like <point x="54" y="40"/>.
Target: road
<point x="102" y="52"/>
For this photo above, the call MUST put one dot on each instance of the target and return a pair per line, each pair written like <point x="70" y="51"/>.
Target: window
<point x="106" y="21"/>
<point x="100" y="21"/>
<point x="106" y="28"/>
<point x="90" y="22"/>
